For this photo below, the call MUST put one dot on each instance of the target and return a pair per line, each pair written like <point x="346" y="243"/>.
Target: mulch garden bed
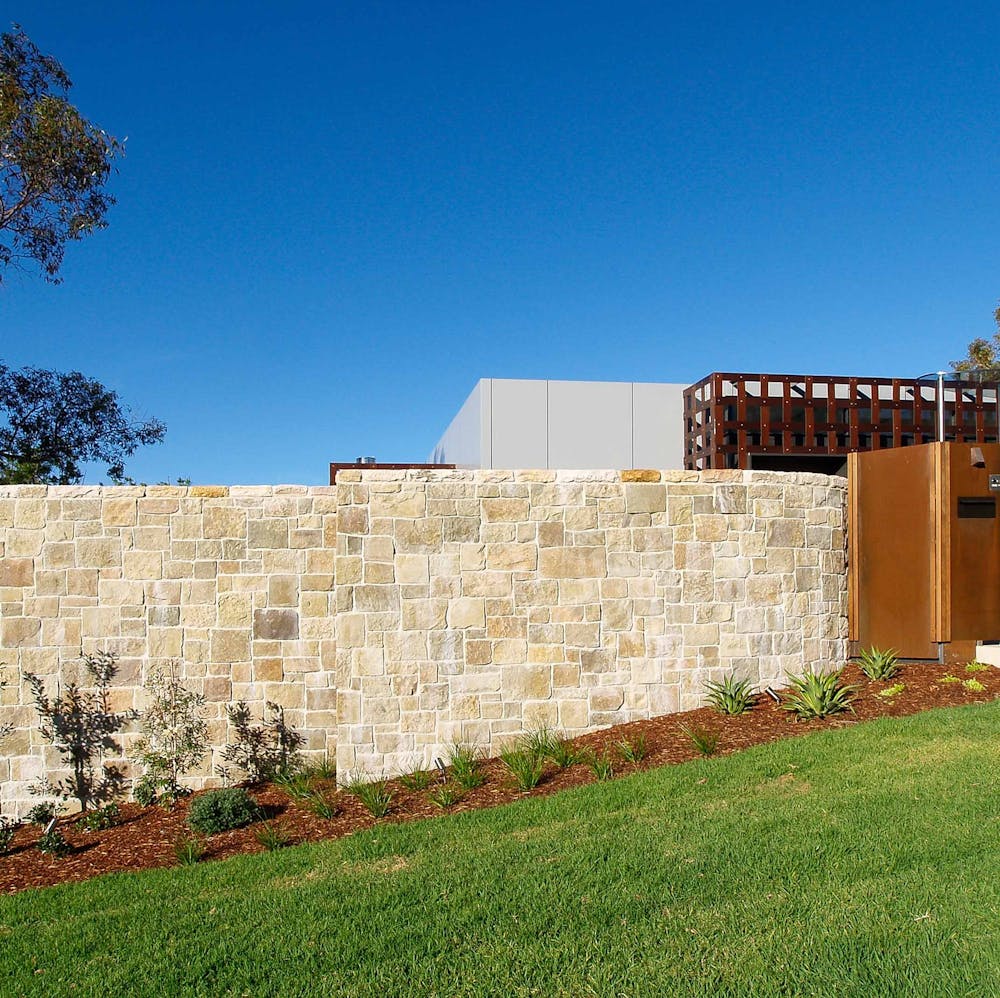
<point x="146" y="837"/>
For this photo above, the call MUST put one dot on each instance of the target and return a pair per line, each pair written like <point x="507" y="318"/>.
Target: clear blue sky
<point x="334" y="217"/>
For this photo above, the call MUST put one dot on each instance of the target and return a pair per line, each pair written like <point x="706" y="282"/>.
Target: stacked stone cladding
<point x="467" y="605"/>
<point x="235" y="585"/>
<point x="474" y="605"/>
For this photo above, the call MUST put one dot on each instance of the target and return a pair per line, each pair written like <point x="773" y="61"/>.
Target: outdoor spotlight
<point x="774" y="696"/>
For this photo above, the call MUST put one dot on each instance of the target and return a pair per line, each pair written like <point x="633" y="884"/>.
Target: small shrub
<point x="271" y="837"/>
<point x="189" y="849"/>
<point x="174" y="733"/>
<point x="525" y="767"/>
<point x="322" y="806"/>
<point x="144" y="792"/>
<point x="634" y="750"/>
<point x="101" y="819"/>
<point x="949" y="678"/>
<point x="602" y="766"/>
<point x="419" y="779"/>
<point x="54" y="843"/>
<point x="8" y="828"/>
<point x="891" y="691"/>
<point x="81" y="725"/>
<point x="466" y="765"/>
<point x="732" y="696"/>
<point x="817" y="695"/>
<point x="703" y="739"/>
<point x="444" y="796"/>
<point x="973" y="686"/>
<point x="41" y="813"/>
<point x="977" y="667"/>
<point x="374" y="794"/>
<point x="222" y="810"/>
<point x="879" y="663"/>
<point x="264" y="750"/>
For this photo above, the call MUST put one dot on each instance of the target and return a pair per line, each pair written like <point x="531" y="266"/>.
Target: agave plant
<point x="818" y="695"/>
<point x="878" y="663"/>
<point x="732" y="695"/>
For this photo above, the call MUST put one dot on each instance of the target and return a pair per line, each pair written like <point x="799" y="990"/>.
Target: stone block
<point x="409" y="502"/>
<point x="573" y="562"/>
<point x="267" y="533"/>
<point x="526" y="682"/>
<point x="412" y="569"/>
<point x="466" y="612"/>
<point x="276" y="625"/>
<point x="118" y="512"/>
<point x="505" y="510"/>
<point x="645" y="497"/>
<point x="229" y="645"/>
<point x="640" y="475"/>
<point x="16" y="572"/>
<point x="283" y="590"/>
<point x="606" y="698"/>
<point x="512" y="557"/>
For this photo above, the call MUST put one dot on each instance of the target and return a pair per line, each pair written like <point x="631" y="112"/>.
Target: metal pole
<point x="940" y="405"/>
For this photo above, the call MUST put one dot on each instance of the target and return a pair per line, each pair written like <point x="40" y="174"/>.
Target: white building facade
<point x="514" y="423"/>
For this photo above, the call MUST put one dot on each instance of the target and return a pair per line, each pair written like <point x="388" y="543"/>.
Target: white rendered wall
<point x="515" y="423"/>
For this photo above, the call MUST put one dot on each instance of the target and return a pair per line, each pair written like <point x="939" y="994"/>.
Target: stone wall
<point x="472" y="605"/>
<point x="234" y="584"/>
<point x="467" y="604"/>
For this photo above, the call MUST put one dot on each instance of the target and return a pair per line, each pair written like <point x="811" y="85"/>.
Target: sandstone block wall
<point x="471" y="605"/>
<point x="400" y="611"/>
<point x="234" y="584"/>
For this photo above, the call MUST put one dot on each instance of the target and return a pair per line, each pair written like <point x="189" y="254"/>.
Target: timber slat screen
<point x="732" y="418"/>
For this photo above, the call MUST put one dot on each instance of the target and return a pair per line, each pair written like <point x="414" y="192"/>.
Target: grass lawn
<point x="863" y="861"/>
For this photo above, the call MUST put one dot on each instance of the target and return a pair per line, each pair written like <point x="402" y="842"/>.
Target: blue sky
<point x="334" y="217"/>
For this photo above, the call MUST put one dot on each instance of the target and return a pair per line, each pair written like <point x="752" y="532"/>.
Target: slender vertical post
<point x="940" y="405"/>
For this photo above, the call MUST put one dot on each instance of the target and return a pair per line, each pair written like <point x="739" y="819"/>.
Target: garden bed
<point x="147" y="837"/>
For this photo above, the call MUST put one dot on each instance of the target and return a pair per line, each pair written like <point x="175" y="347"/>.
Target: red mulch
<point x="146" y="836"/>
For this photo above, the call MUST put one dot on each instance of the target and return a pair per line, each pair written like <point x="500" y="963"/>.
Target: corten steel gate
<point x="924" y="535"/>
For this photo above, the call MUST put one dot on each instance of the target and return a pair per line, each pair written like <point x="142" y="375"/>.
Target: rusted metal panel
<point x="893" y="532"/>
<point x="925" y="549"/>
<point x="973" y="514"/>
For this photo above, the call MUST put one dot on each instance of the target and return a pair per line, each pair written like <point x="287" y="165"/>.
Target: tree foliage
<point x="54" y="164"/>
<point x="51" y="422"/>
<point x="983" y="355"/>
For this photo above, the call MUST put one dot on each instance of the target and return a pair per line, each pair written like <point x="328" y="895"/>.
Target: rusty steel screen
<point x="811" y="422"/>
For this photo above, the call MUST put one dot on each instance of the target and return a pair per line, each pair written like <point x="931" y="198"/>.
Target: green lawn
<point x="854" y="862"/>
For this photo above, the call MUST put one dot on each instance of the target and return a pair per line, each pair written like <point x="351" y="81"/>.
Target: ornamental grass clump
<point x="524" y="764"/>
<point x="374" y="794"/>
<point x="704" y="740"/>
<point x="271" y="837"/>
<point x="418" y="779"/>
<point x="563" y="753"/>
<point x="466" y="765"/>
<point x="732" y="696"/>
<point x="446" y="795"/>
<point x="602" y="766"/>
<point x="222" y="810"/>
<point x="633" y="750"/>
<point x="817" y="695"/>
<point x="879" y="663"/>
